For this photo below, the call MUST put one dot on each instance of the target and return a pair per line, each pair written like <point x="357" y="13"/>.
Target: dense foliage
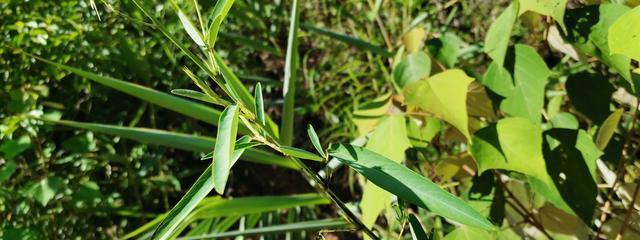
<point x="319" y="119"/>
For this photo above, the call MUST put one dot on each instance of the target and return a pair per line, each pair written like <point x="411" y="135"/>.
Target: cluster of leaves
<point x="464" y="135"/>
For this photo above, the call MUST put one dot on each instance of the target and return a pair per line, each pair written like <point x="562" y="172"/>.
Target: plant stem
<point x="625" y="224"/>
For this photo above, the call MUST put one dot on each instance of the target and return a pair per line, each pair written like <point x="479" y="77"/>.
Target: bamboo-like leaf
<point x="408" y="185"/>
<point x="417" y="232"/>
<point x="220" y="11"/>
<point x="325" y="224"/>
<point x="188" y="26"/>
<point x="350" y="40"/>
<point x="193" y="95"/>
<point x="204" y="87"/>
<point x="175" y="140"/>
<point x="189" y="201"/>
<point x="608" y="128"/>
<point x="259" y="107"/>
<point x="290" y="77"/>
<point x="315" y="140"/>
<point x="222" y="153"/>
<point x="188" y="108"/>
<point x="300" y="153"/>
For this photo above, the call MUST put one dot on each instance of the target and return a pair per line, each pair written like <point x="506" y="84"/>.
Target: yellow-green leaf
<point x="608" y="128"/>
<point x="443" y="95"/>
<point x="497" y="39"/>
<point x="624" y="35"/>
<point x="553" y="8"/>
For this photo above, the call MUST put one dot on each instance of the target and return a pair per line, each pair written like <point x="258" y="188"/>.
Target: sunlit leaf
<point x="608" y="128"/>
<point x="218" y="14"/>
<point x="412" y="68"/>
<point x="313" y="136"/>
<point x="224" y="146"/>
<point x="497" y="38"/>
<point x="300" y="153"/>
<point x="408" y="185"/>
<point x="624" y="35"/>
<point x="553" y="8"/>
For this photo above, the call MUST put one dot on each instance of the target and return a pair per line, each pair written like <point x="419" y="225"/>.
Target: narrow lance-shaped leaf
<point x="204" y="87"/>
<point x="408" y="185"/>
<point x="191" y="30"/>
<point x="222" y="153"/>
<point x="220" y="11"/>
<point x="324" y="224"/>
<point x="417" y="232"/>
<point x="175" y="140"/>
<point x="300" y="153"/>
<point x="359" y="43"/>
<point x="290" y="77"/>
<point x="189" y="201"/>
<point x="259" y="104"/>
<point x="313" y="136"/>
<point x="193" y="95"/>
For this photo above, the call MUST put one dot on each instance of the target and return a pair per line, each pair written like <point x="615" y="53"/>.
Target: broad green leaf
<point x="390" y="130"/>
<point x="187" y="108"/>
<point x="44" y="190"/>
<point x="497" y="40"/>
<point x="414" y="39"/>
<point x="530" y="76"/>
<point x="469" y="233"/>
<point x="408" y="185"/>
<point x="553" y="8"/>
<point x="300" y="153"/>
<point x="443" y="95"/>
<point x="564" y="120"/>
<point x="12" y="148"/>
<point x="421" y="136"/>
<point x="608" y="128"/>
<point x="359" y="43"/>
<point x="571" y="156"/>
<point x="498" y="79"/>
<point x="624" y="35"/>
<point x="193" y="95"/>
<point x="413" y="67"/>
<point x="224" y="146"/>
<point x="259" y="107"/>
<point x="367" y="116"/>
<point x="175" y="140"/>
<point x="446" y="48"/>
<point x="553" y="107"/>
<point x="220" y="11"/>
<point x="188" y="26"/>
<point x="588" y="31"/>
<point x="313" y="136"/>
<point x="324" y="224"/>
<point x="590" y="94"/>
<point x="189" y="201"/>
<point x="7" y="170"/>
<point x="417" y="231"/>
<point x="290" y="77"/>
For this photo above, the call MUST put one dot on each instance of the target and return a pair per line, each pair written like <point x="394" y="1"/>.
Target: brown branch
<point x="625" y="224"/>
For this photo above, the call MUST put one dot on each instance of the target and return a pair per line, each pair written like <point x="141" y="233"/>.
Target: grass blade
<point x="222" y="153"/>
<point x="259" y="107"/>
<point x="284" y="228"/>
<point x="315" y="140"/>
<point x="408" y="185"/>
<point x="350" y="40"/>
<point x="300" y="153"/>
<point x="290" y="77"/>
<point x="197" y="192"/>
<point x="193" y="95"/>
<point x="175" y="140"/>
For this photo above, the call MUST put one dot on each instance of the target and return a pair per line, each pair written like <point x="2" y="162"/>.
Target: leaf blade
<point x="224" y="147"/>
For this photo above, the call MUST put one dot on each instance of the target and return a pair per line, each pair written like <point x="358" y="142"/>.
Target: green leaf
<point x="324" y="224"/>
<point x="313" y="136"/>
<point x="204" y="87"/>
<point x="188" y="26"/>
<point x="390" y="130"/>
<point x="564" y="120"/>
<point x="408" y="185"/>
<point x="12" y="148"/>
<point x="175" y="140"/>
<point x="220" y="11"/>
<point x="588" y="31"/>
<point x="413" y="67"/>
<point x="497" y="39"/>
<point x="359" y="43"/>
<point x="300" y="153"/>
<point x="590" y="94"/>
<point x="553" y="8"/>
<point x="608" y="128"/>
<point x="224" y="147"/>
<point x="187" y="108"/>
<point x="189" y="201"/>
<point x="367" y="116"/>
<point x="193" y="95"/>
<point x="290" y="77"/>
<point x="259" y="107"/>
<point x="44" y="190"/>
<point x="530" y="76"/>
<point x="468" y="233"/>
<point x="446" y="48"/>
<point x="498" y="79"/>
<point x="443" y="95"/>
<point x="7" y="170"/>
<point x="624" y="35"/>
<point x="417" y="231"/>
